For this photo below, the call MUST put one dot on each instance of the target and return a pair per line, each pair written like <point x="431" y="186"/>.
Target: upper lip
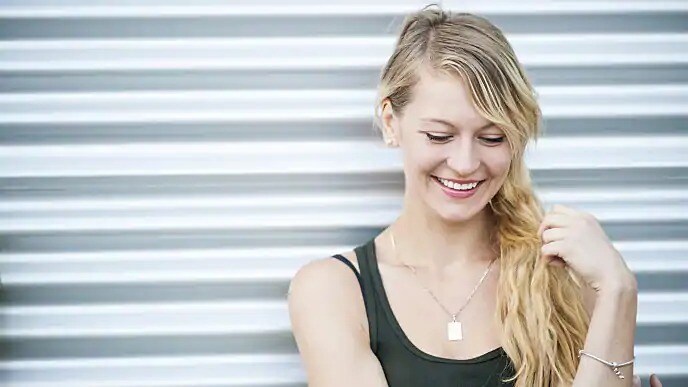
<point x="461" y="181"/>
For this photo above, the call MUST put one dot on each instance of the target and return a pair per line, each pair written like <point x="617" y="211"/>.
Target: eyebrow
<point x="489" y="124"/>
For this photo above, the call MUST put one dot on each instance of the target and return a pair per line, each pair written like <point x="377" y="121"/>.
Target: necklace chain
<point x="453" y="315"/>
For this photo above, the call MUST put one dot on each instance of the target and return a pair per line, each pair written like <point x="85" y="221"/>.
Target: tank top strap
<point x="364" y="263"/>
<point x="368" y="299"/>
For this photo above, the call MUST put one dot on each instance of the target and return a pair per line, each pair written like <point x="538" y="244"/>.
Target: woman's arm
<point x="589" y="297"/>
<point x="576" y="239"/>
<point x="611" y="336"/>
<point x="325" y="305"/>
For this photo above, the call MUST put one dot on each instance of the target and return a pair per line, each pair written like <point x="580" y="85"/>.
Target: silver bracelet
<point x="612" y="364"/>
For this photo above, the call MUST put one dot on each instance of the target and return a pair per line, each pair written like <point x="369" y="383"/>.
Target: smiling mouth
<point x="480" y="182"/>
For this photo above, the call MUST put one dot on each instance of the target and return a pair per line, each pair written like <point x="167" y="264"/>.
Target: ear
<point x="390" y="124"/>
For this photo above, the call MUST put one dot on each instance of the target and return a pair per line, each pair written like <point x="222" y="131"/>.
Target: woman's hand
<point x="654" y="381"/>
<point x="576" y="239"/>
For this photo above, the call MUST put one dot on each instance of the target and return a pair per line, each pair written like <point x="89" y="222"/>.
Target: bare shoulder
<point x="322" y="281"/>
<point x="328" y="272"/>
<point x="329" y="324"/>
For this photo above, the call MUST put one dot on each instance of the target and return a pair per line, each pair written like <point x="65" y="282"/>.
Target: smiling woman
<point x="427" y="305"/>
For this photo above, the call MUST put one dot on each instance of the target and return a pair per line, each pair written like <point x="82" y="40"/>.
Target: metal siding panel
<point x="139" y="244"/>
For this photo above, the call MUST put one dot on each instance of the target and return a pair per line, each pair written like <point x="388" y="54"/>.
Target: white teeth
<point x="461" y="187"/>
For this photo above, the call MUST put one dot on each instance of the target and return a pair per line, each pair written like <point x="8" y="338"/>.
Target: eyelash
<point x="493" y="140"/>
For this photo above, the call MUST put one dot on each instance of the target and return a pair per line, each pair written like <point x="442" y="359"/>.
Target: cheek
<point x="419" y="161"/>
<point x="499" y="165"/>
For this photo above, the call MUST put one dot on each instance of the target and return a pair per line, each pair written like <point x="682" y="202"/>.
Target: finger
<point x="556" y="261"/>
<point x="654" y="381"/>
<point x="636" y="381"/>
<point x="544" y="222"/>
<point x="552" y="220"/>
<point x="551" y="249"/>
<point x="551" y="252"/>
<point x="553" y="234"/>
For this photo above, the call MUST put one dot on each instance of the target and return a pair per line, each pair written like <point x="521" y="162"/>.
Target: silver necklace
<point x="454" y="331"/>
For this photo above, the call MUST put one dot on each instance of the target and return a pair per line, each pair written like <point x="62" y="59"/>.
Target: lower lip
<point x="456" y="193"/>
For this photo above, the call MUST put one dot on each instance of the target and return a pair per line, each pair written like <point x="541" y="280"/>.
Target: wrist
<point x="624" y="285"/>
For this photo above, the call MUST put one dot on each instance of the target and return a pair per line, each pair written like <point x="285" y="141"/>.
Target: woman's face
<point x="463" y="147"/>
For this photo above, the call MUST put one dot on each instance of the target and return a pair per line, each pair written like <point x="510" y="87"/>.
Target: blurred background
<point x="166" y="167"/>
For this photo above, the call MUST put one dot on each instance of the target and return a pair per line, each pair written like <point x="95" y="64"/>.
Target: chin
<point x="457" y="214"/>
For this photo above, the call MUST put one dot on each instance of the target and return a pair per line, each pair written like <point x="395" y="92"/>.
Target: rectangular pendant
<point x="454" y="331"/>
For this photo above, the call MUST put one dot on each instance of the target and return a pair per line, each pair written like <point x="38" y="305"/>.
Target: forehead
<point x="443" y="96"/>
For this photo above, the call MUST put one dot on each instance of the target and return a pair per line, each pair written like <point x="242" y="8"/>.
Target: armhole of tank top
<point x="368" y="300"/>
<point x="366" y="275"/>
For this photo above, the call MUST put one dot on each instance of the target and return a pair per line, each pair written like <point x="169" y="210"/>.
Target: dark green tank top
<point x="403" y="363"/>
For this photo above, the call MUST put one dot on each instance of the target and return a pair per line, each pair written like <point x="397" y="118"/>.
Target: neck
<point x="442" y="248"/>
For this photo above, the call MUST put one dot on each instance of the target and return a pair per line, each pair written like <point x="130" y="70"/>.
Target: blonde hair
<point x="540" y="307"/>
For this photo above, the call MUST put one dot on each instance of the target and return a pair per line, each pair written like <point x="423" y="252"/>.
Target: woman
<point x="473" y="284"/>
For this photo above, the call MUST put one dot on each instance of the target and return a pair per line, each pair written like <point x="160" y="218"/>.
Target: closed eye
<point x="437" y="138"/>
<point x="491" y="140"/>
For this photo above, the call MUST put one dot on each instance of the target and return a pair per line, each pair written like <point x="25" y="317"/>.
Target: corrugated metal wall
<point x="165" y="168"/>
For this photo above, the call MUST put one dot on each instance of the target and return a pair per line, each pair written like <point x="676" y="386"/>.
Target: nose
<point x="465" y="160"/>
